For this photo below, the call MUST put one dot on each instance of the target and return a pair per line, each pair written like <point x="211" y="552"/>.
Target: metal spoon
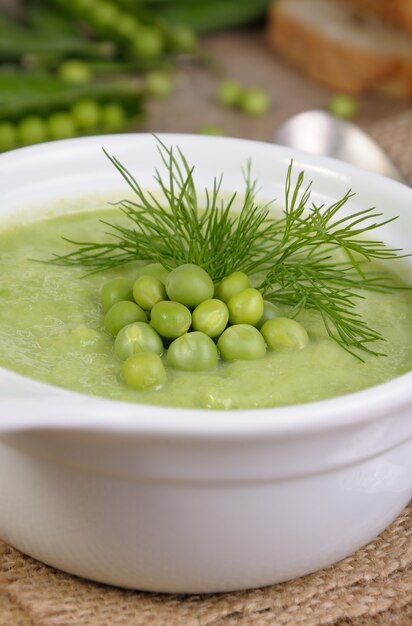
<point x="321" y="133"/>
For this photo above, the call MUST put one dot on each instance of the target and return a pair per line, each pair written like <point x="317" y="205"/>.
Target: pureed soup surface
<point x="51" y="329"/>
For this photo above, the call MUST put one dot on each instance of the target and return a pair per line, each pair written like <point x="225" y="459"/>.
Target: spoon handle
<point x="319" y="132"/>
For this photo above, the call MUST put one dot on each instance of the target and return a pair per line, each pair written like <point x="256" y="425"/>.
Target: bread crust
<point x="387" y="10"/>
<point x="335" y="62"/>
<point x="404" y="8"/>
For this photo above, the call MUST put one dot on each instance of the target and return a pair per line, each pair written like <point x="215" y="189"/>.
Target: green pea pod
<point x="13" y="48"/>
<point x="23" y="95"/>
<point x="48" y="33"/>
<point x="42" y="17"/>
<point x="208" y="15"/>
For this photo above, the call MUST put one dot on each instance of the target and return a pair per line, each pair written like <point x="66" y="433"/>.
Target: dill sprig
<point x="172" y="228"/>
<point x="312" y="256"/>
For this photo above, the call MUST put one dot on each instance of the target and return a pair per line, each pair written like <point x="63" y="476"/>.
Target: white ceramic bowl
<point x="181" y="500"/>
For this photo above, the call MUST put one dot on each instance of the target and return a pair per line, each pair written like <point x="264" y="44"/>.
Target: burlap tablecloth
<point x="373" y="587"/>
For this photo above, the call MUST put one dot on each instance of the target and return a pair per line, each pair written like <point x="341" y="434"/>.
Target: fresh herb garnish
<point x="296" y="253"/>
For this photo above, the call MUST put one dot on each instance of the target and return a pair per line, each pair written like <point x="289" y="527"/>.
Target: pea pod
<point x="46" y="35"/>
<point x="206" y="15"/>
<point x="41" y="94"/>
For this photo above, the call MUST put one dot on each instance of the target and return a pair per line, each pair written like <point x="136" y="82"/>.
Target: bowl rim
<point x="63" y="409"/>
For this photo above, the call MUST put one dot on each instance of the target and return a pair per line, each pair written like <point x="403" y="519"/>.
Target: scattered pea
<point x="148" y="42"/>
<point x="8" y="136"/>
<point x="137" y="337"/>
<point x="170" y="319"/>
<point x="246" y="307"/>
<point x="189" y="284"/>
<point x="193" y="352"/>
<point x="86" y="113"/>
<point x="229" y="93"/>
<point x="157" y="84"/>
<point x="31" y="129"/>
<point x="75" y="72"/>
<point x="241" y="342"/>
<point x="102" y="16"/>
<point x="113" y="116"/>
<point x="148" y="291"/>
<point x="82" y="7"/>
<point x="343" y="105"/>
<point x="121" y="314"/>
<point x="210" y="317"/>
<point x="210" y="129"/>
<point x="144" y="370"/>
<point x="182" y="39"/>
<point x="231" y="285"/>
<point x="254" y="101"/>
<point x="125" y="25"/>
<point x="282" y="332"/>
<point x="116" y="290"/>
<point x="61" y="126"/>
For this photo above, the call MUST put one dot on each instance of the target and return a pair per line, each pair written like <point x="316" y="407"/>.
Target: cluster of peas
<point x="86" y="115"/>
<point x="184" y="317"/>
<point x="250" y="100"/>
<point x="147" y="41"/>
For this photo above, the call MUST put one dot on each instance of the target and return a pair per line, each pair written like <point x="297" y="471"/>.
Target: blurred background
<point x="232" y="67"/>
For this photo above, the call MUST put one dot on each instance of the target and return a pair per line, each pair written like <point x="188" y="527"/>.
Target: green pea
<point x="61" y="126"/>
<point x="241" y="342"/>
<point x="113" y="117"/>
<point x="137" y="337"/>
<point x="157" y="84"/>
<point x="148" y="42"/>
<point x="189" y="284"/>
<point x="210" y="317"/>
<point x="210" y="129"/>
<point x="125" y="25"/>
<point x="246" y="307"/>
<point x="270" y="311"/>
<point x="144" y="370"/>
<point x="231" y="285"/>
<point x="82" y="7"/>
<point x="154" y="269"/>
<point x="182" y="39"/>
<point x="343" y="105"/>
<point x="8" y="136"/>
<point x="116" y="290"/>
<point x="170" y="319"/>
<point x="75" y="72"/>
<point x="229" y="93"/>
<point x="148" y="291"/>
<point x="31" y="129"/>
<point x="193" y="352"/>
<point x="121" y="314"/>
<point x="86" y="113"/>
<point x="254" y="101"/>
<point x="283" y="332"/>
<point x="103" y="15"/>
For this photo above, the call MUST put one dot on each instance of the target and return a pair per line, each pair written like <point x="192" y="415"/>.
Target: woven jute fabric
<point x="372" y="587"/>
<point x="394" y="134"/>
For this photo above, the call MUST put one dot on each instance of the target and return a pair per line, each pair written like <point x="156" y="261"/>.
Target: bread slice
<point x="404" y="8"/>
<point x="387" y="10"/>
<point x="345" y="48"/>
<point x="393" y="11"/>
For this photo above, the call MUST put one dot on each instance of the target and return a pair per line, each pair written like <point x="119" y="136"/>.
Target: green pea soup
<point x="51" y="329"/>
